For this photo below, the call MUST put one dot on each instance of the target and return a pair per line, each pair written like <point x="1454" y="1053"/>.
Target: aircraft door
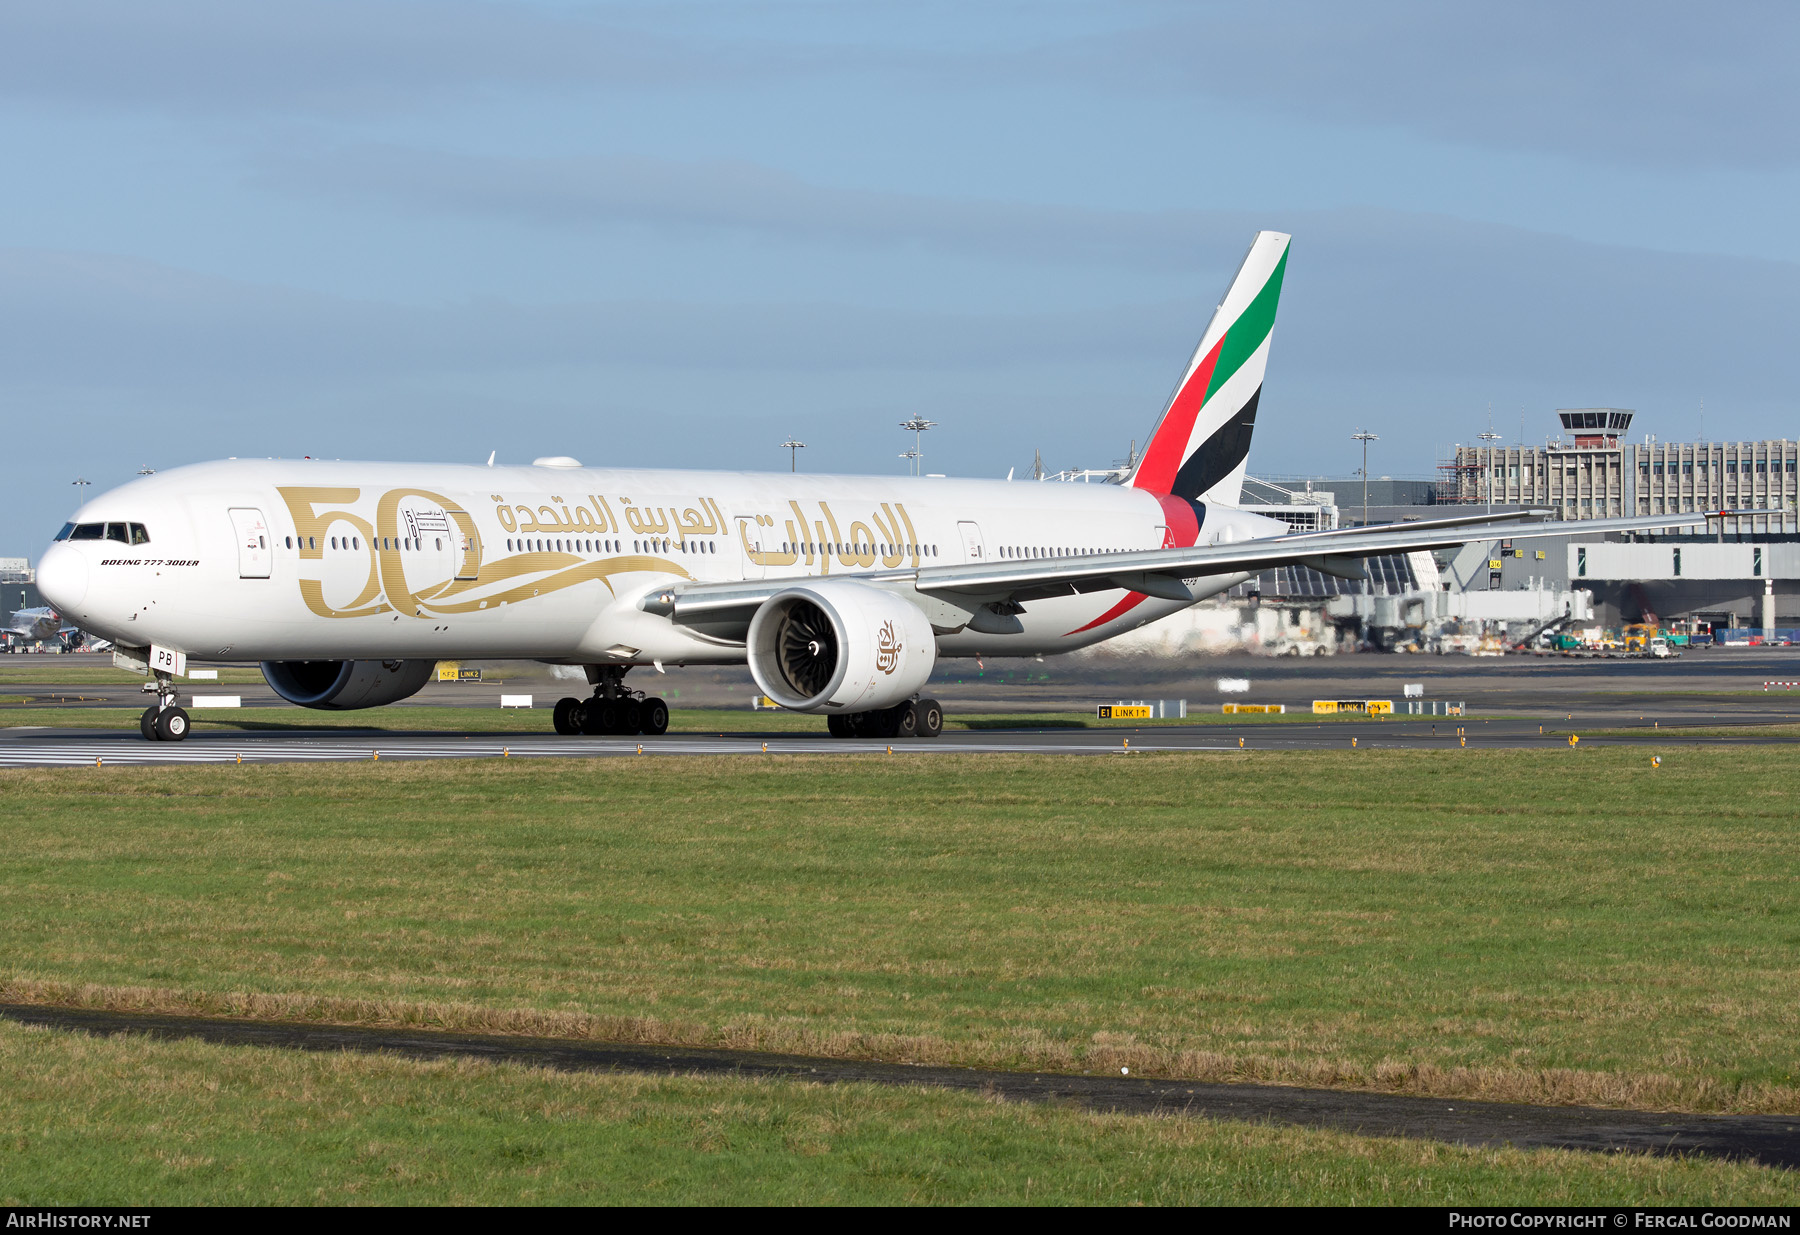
<point x="466" y="545"/>
<point x="256" y="554"/>
<point x="971" y="542"/>
<point x="433" y="552"/>
<point x="750" y="535"/>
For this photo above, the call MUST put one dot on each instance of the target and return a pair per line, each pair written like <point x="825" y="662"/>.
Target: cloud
<point x="1372" y="297"/>
<point x="324" y="54"/>
<point x="1371" y="291"/>
<point x="100" y="320"/>
<point x="587" y="192"/>
<point x="1661" y="84"/>
<point x="1658" y="84"/>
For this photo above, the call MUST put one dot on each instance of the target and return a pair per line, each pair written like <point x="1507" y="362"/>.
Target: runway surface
<point x="23" y="747"/>
<point x="1772" y="1140"/>
<point x="1723" y="684"/>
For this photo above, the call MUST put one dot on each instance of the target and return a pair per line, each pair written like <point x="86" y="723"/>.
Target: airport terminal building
<point x="1741" y="573"/>
<point x="1588" y="472"/>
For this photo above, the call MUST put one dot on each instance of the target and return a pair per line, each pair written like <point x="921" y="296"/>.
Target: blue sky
<point x="675" y="233"/>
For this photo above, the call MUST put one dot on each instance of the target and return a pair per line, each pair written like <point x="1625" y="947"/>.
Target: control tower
<point x="1595" y="428"/>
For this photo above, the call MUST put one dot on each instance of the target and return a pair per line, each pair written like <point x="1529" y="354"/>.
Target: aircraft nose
<point x="62" y="577"/>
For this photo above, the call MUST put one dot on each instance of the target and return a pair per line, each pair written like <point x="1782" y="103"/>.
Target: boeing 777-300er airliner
<point x="350" y="581"/>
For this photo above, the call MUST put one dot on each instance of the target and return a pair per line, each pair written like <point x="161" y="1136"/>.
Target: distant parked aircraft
<point x="41" y="625"/>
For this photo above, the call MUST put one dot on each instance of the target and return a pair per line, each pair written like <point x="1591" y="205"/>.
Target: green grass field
<point x="129" y="1122"/>
<point x="1560" y="925"/>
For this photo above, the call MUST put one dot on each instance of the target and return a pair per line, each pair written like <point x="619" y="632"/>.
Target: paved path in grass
<point x="1773" y="1140"/>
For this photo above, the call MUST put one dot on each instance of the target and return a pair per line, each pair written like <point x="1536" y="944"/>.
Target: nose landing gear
<point x="162" y="721"/>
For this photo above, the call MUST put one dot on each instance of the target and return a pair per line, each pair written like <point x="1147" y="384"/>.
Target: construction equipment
<point x="1553" y="625"/>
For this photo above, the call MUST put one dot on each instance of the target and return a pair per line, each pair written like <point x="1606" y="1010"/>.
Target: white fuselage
<point x="313" y="560"/>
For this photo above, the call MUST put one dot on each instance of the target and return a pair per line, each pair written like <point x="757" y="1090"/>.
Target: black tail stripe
<point x="1219" y="455"/>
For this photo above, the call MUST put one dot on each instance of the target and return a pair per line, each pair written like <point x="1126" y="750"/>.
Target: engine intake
<point x="838" y="645"/>
<point x="345" y="685"/>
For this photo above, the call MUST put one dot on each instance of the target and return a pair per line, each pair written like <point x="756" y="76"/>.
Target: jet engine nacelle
<point x="344" y="685"/>
<point x="840" y="646"/>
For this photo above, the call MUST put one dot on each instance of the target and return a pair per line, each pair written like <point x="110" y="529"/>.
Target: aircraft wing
<point x="1154" y="572"/>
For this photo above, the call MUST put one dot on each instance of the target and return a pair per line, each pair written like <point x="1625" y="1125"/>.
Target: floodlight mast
<point x="793" y="446"/>
<point x="1365" y="438"/>
<point x="1490" y="437"/>
<point x="917" y="426"/>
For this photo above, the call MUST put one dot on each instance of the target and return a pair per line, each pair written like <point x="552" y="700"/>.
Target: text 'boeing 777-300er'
<point x="350" y="581"/>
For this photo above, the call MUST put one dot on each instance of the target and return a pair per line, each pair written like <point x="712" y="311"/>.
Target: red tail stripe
<point x="1162" y="457"/>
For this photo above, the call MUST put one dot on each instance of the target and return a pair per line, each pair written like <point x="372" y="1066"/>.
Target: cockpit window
<point x="124" y="533"/>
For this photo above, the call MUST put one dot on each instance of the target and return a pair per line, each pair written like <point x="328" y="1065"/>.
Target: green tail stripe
<point x="1248" y="332"/>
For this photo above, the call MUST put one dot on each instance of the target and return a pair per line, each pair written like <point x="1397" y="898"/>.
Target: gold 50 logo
<point x="887" y="649"/>
<point x="419" y="554"/>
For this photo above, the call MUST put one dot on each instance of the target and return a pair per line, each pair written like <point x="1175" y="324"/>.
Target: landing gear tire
<point x="147" y="724"/>
<point x="931" y="717"/>
<point x="653" y="716"/>
<point x="171" y="725"/>
<point x="567" y="716"/>
<point x="903" y="720"/>
<point x="606" y="716"/>
<point x="841" y="724"/>
<point x="631" y="716"/>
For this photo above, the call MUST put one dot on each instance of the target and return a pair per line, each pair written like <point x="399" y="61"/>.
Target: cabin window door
<point x="255" y="547"/>
<point x="973" y="550"/>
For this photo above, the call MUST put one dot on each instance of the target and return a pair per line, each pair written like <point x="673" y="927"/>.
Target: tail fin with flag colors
<point x="1201" y="443"/>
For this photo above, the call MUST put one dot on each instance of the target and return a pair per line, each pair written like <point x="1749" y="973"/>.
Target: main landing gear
<point x="162" y="721"/>
<point x="916" y="718"/>
<point x="612" y="709"/>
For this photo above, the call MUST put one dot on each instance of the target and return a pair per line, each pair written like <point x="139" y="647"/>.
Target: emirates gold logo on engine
<point x="887" y="649"/>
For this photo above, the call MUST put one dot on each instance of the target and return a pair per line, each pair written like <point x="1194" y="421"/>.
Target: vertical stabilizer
<point x="1201" y="443"/>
